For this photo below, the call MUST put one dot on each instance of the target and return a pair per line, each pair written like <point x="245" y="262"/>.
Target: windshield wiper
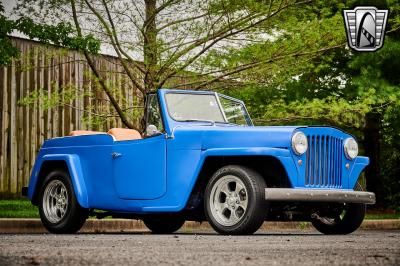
<point x="198" y="120"/>
<point x="208" y="121"/>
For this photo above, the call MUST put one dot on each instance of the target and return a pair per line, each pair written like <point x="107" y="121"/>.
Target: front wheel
<point x="163" y="226"/>
<point x="342" y="221"/>
<point x="59" y="210"/>
<point x="234" y="200"/>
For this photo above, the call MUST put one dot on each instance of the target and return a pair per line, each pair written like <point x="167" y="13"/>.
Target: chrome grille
<point x="324" y="161"/>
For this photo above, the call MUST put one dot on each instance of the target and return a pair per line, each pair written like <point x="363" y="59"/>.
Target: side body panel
<point x="91" y="156"/>
<point x="139" y="168"/>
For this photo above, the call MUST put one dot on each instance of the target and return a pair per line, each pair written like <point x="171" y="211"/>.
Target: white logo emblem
<point x="365" y="27"/>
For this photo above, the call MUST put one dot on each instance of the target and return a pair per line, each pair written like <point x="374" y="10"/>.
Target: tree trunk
<point x="372" y="146"/>
<point x="150" y="55"/>
<point x="150" y="46"/>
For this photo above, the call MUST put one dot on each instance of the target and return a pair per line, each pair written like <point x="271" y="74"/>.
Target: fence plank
<point x="24" y="128"/>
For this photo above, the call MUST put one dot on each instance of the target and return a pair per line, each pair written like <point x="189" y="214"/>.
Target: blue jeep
<point x="201" y="159"/>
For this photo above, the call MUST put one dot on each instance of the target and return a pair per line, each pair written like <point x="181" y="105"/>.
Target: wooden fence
<point x="49" y="70"/>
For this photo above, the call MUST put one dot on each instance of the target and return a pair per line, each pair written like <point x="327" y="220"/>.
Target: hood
<point x="226" y="137"/>
<point x="211" y="137"/>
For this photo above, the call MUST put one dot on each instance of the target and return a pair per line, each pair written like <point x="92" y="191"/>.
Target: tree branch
<point x="111" y="36"/>
<point x="218" y="37"/>
<point x="102" y="83"/>
<point x="181" y="21"/>
<point x="248" y="66"/>
<point x="117" y="43"/>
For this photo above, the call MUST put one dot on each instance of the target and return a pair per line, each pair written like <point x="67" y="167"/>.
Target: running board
<point x="319" y="195"/>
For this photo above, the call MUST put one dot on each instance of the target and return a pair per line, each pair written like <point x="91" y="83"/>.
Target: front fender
<point x="283" y="155"/>
<point x="359" y="165"/>
<point x="75" y="171"/>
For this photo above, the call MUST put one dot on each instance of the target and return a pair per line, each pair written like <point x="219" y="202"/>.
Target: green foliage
<point x="391" y="156"/>
<point x="62" y="34"/>
<point x="326" y="111"/>
<point x="59" y="96"/>
<point x="93" y="116"/>
<point x="7" y="50"/>
<point x="292" y="39"/>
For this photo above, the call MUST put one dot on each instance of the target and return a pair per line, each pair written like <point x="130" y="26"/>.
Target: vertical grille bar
<point x="315" y="161"/>
<point x="335" y="164"/>
<point x="308" y="161"/>
<point x="329" y="160"/>
<point x="340" y="161"/>
<point x="324" y="157"/>
<point x="324" y="161"/>
<point x="320" y="157"/>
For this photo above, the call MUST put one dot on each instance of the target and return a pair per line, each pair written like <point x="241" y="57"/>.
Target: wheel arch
<point x="260" y="163"/>
<point x="68" y="162"/>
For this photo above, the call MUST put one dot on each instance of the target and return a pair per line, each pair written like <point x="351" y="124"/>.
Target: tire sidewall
<point x="163" y="225"/>
<point x="254" y="200"/>
<point x="72" y="206"/>
<point x="351" y="221"/>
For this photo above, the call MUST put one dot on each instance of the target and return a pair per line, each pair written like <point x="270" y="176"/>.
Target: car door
<point x="139" y="168"/>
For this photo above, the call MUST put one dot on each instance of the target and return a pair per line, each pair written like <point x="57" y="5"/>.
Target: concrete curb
<point x="17" y="226"/>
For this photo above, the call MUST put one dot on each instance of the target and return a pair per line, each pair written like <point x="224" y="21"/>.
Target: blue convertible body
<point x="161" y="172"/>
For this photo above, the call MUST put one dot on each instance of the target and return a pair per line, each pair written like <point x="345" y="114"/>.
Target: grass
<point x="18" y="209"/>
<point x="382" y="216"/>
<point x="24" y="209"/>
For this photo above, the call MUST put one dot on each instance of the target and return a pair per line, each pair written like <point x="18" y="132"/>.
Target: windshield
<point x="188" y="107"/>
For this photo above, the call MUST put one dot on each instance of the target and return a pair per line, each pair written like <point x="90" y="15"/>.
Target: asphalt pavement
<point x="364" y="247"/>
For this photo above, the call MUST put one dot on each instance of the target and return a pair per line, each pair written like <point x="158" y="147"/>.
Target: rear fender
<point x="75" y="171"/>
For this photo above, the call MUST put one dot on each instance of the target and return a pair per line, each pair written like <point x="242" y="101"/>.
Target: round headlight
<point x="299" y="143"/>
<point x="350" y="148"/>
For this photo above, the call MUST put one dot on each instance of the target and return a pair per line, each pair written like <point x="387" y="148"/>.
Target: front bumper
<point x="319" y="195"/>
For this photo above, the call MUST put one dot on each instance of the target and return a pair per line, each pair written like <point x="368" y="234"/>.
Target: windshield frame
<point x="217" y="97"/>
<point x="246" y="116"/>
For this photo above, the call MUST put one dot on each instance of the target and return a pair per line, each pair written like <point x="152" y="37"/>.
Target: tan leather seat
<point x="124" y="134"/>
<point x="84" y="132"/>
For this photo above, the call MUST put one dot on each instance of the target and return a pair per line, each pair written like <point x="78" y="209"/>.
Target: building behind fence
<point x="47" y="70"/>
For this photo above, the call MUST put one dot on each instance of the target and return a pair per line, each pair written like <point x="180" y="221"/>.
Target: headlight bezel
<point x="349" y="148"/>
<point x="295" y="142"/>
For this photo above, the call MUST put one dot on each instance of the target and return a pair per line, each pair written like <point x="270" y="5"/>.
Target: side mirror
<point x="151" y="130"/>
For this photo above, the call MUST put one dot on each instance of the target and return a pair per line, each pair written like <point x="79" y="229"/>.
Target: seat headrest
<point x="120" y="134"/>
<point x="84" y="132"/>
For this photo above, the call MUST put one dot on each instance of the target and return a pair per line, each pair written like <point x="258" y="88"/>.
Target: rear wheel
<point x="163" y="226"/>
<point x="234" y="200"/>
<point x="340" y="221"/>
<point x="59" y="210"/>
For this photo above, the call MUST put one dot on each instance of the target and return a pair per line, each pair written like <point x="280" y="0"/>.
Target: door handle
<point x="115" y="155"/>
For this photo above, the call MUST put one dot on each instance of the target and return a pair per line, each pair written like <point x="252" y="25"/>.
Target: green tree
<point x="175" y="37"/>
<point x="356" y="91"/>
<point x="59" y="34"/>
<point x="7" y="50"/>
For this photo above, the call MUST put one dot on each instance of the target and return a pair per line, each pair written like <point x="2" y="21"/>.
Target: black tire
<point x="74" y="217"/>
<point x="163" y="226"/>
<point x="253" y="216"/>
<point x="343" y="224"/>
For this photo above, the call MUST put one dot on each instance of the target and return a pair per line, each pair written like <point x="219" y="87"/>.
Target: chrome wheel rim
<point x="228" y="200"/>
<point x="55" y="201"/>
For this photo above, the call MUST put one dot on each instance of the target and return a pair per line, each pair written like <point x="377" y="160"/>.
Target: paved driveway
<point x="203" y="248"/>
